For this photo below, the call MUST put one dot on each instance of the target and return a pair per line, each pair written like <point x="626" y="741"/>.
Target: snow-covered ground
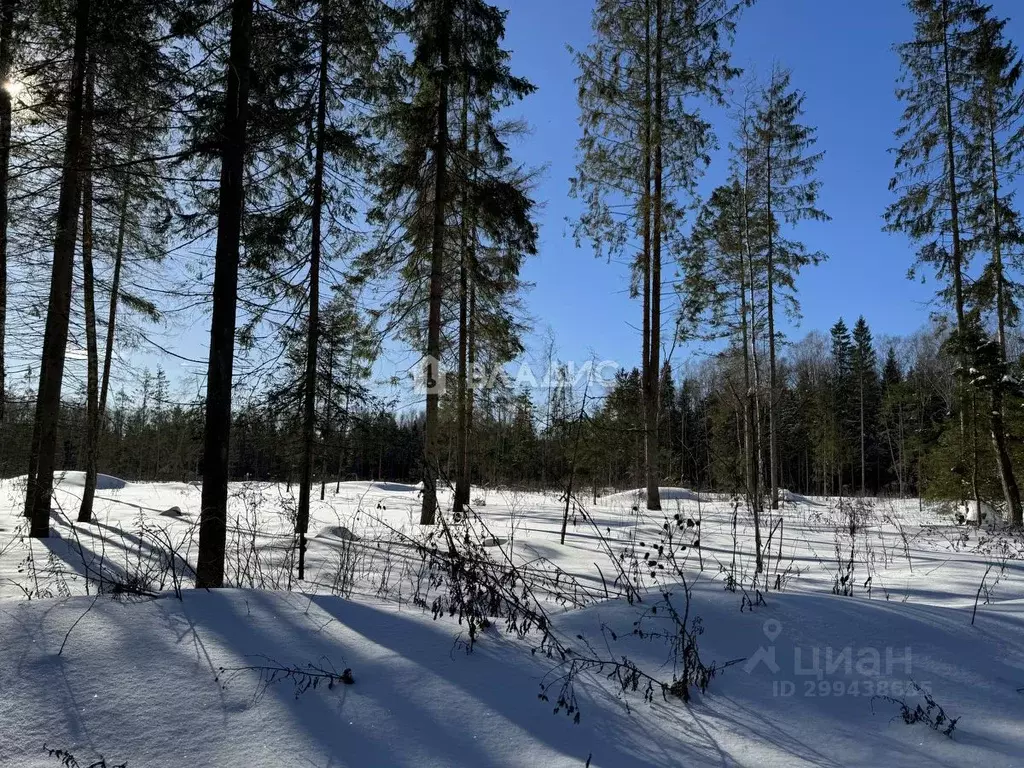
<point x="806" y="676"/>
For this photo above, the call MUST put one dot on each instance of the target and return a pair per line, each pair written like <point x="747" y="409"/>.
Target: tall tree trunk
<point x="754" y="395"/>
<point x="461" y="489"/>
<point x="954" y="214"/>
<point x="863" y="443"/>
<point x="313" y="328"/>
<point x="328" y="426"/>
<point x="58" y="314"/>
<point x="653" y="401"/>
<point x="749" y="456"/>
<point x="115" y="288"/>
<point x="645" y="255"/>
<point x="216" y="435"/>
<point x="773" y="469"/>
<point x="467" y="458"/>
<point x="1007" y="478"/>
<point x="6" y="51"/>
<point x="431" y="442"/>
<point x="92" y="395"/>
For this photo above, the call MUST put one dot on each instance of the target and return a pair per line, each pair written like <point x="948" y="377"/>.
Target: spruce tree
<point x="232" y="150"/>
<point x="781" y="166"/>
<point x="993" y="154"/>
<point x="842" y="413"/>
<point x="936" y="85"/>
<point x="645" y="142"/>
<point x="51" y="372"/>
<point x="864" y="369"/>
<point x="428" y="182"/>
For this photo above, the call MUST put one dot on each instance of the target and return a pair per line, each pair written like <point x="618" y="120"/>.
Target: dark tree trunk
<point x="216" y="436"/>
<point x="653" y="400"/>
<point x="92" y="395"/>
<point x="431" y="447"/>
<point x="461" y="488"/>
<point x="55" y="337"/>
<point x="6" y="29"/>
<point x="312" y="332"/>
<point x="115" y="288"/>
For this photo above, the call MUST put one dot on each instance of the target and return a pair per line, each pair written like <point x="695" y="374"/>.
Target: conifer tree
<point x="993" y="157"/>
<point x="782" y="168"/>
<point x="456" y="53"/>
<point x="7" y="47"/>
<point x="645" y="143"/>
<point x="842" y="390"/>
<point x="130" y="85"/>
<point x="863" y="364"/>
<point x="42" y="457"/>
<point x="213" y="521"/>
<point x="936" y="84"/>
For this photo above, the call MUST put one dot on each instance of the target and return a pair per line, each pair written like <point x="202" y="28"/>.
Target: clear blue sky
<point x="840" y="53"/>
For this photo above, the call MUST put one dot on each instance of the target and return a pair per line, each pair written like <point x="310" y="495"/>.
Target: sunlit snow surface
<point x="140" y="679"/>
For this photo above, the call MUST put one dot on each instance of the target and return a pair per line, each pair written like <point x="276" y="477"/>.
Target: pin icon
<point x="772" y="629"/>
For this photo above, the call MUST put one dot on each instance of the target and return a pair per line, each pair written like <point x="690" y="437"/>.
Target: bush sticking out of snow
<point x="66" y="759"/>
<point x="932" y="714"/>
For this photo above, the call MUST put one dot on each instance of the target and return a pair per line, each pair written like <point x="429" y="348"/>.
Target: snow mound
<point x="77" y="480"/>
<point x="396" y="487"/>
<point x="789" y="497"/>
<point x="338" y="532"/>
<point x="667" y="494"/>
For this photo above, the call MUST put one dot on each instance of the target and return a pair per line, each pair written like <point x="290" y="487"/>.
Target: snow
<point x="141" y="679"/>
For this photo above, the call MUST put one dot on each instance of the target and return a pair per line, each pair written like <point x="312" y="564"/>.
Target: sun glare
<point x="14" y="88"/>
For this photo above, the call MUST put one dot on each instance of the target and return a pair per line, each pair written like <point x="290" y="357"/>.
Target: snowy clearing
<point x="805" y="676"/>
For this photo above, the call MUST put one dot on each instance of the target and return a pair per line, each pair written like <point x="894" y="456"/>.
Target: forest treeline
<point x="319" y="178"/>
<point x="856" y="417"/>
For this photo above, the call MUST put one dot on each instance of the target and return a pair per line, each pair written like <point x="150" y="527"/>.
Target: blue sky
<point x="841" y="56"/>
<point x="840" y="53"/>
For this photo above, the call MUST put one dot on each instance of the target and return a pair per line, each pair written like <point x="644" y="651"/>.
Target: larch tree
<point x="642" y="80"/>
